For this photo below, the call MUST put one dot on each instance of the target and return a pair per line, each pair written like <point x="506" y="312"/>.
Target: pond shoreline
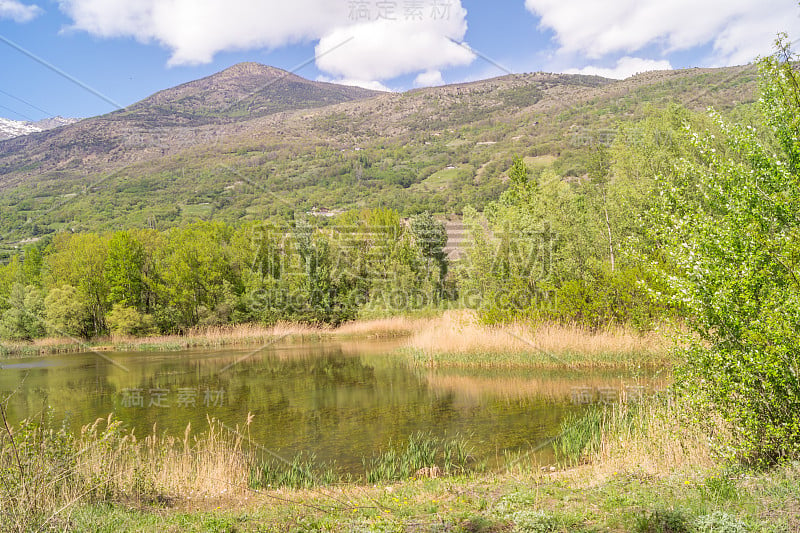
<point x="454" y="339"/>
<point x="662" y="474"/>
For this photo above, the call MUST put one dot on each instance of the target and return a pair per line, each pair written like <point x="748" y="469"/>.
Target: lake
<point x="341" y="401"/>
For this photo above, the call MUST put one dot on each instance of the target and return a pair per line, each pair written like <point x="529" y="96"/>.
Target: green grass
<point x="580" y="436"/>
<point x="303" y="471"/>
<point x="539" y="160"/>
<point x="766" y="502"/>
<point x="441" y="179"/>
<point x="424" y="455"/>
<point x="538" y="359"/>
<point x="197" y="210"/>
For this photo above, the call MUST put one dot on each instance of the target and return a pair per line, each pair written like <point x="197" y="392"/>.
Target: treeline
<point x="141" y="282"/>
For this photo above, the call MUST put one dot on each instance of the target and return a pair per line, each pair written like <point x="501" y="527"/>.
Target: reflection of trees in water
<point x="328" y="401"/>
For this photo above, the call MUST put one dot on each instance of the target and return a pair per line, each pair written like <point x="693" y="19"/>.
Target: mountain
<point x="14" y="128"/>
<point x="243" y="91"/>
<point x="253" y="141"/>
<point x="169" y="119"/>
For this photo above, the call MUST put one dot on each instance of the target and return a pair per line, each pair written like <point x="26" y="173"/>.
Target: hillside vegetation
<point x="252" y="142"/>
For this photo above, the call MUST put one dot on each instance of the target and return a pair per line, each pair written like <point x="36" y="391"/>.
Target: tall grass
<point x="302" y="472"/>
<point x="453" y="338"/>
<point x="655" y="436"/>
<point x="458" y="339"/>
<point x="424" y="455"/>
<point x="658" y="436"/>
<point x="44" y="471"/>
<point x="580" y="436"/>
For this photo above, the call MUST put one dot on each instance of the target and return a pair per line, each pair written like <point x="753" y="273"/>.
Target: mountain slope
<point x="168" y="120"/>
<point x="183" y="153"/>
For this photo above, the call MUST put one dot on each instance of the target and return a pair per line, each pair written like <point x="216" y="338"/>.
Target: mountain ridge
<point x="241" y="91"/>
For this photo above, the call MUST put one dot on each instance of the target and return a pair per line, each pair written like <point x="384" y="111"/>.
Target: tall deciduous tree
<point x="78" y="261"/>
<point x="123" y="270"/>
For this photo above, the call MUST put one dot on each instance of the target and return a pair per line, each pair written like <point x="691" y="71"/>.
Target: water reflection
<point x="340" y="401"/>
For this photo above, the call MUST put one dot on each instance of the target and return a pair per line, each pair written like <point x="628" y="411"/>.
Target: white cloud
<point x="353" y="45"/>
<point x="196" y="30"/>
<point x="385" y="49"/>
<point x="738" y="30"/>
<point x="17" y="11"/>
<point x="625" y="68"/>
<point x="366" y="84"/>
<point x="429" y="78"/>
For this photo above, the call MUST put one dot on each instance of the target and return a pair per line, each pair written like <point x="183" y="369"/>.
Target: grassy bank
<point x="631" y="467"/>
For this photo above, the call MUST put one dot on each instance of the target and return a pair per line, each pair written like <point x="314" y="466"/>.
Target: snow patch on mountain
<point x="14" y="128"/>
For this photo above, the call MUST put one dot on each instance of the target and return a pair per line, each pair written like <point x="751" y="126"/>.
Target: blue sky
<point x="126" y="50"/>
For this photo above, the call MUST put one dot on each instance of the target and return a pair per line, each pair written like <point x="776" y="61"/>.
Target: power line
<point x="17" y="113"/>
<point x="60" y="72"/>
<point x="48" y="113"/>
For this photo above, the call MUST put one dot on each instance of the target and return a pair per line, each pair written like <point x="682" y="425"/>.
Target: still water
<point x="340" y="401"/>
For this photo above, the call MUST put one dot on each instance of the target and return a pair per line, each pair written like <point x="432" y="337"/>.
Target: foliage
<point x="66" y="314"/>
<point x="124" y="321"/>
<point x="567" y="251"/>
<point x="729" y="224"/>
<point x="138" y="282"/>
<point x="23" y="319"/>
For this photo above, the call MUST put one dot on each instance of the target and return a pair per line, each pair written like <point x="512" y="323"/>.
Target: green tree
<point x="123" y="270"/>
<point x="730" y="226"/>
<point x="430" y="237"/>
<point x="23" y="318"/>
<point x="128" y="321"/>
<point x="67" y="313"/>
<point x="195" y="265"/>
<point x="78" y="261"/>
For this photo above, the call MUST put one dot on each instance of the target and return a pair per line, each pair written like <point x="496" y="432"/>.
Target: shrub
<point x="719" y="522"/>
<point x="662" y="521"/>
<point x="730" y="225"/>
<point x="123" y="320"/>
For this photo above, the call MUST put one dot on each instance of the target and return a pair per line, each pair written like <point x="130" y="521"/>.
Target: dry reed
<point x="210" y="464"/>
<point x="45" y="472"/>
<point x="460" y="332"/>
<point x="223" y="336"/>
